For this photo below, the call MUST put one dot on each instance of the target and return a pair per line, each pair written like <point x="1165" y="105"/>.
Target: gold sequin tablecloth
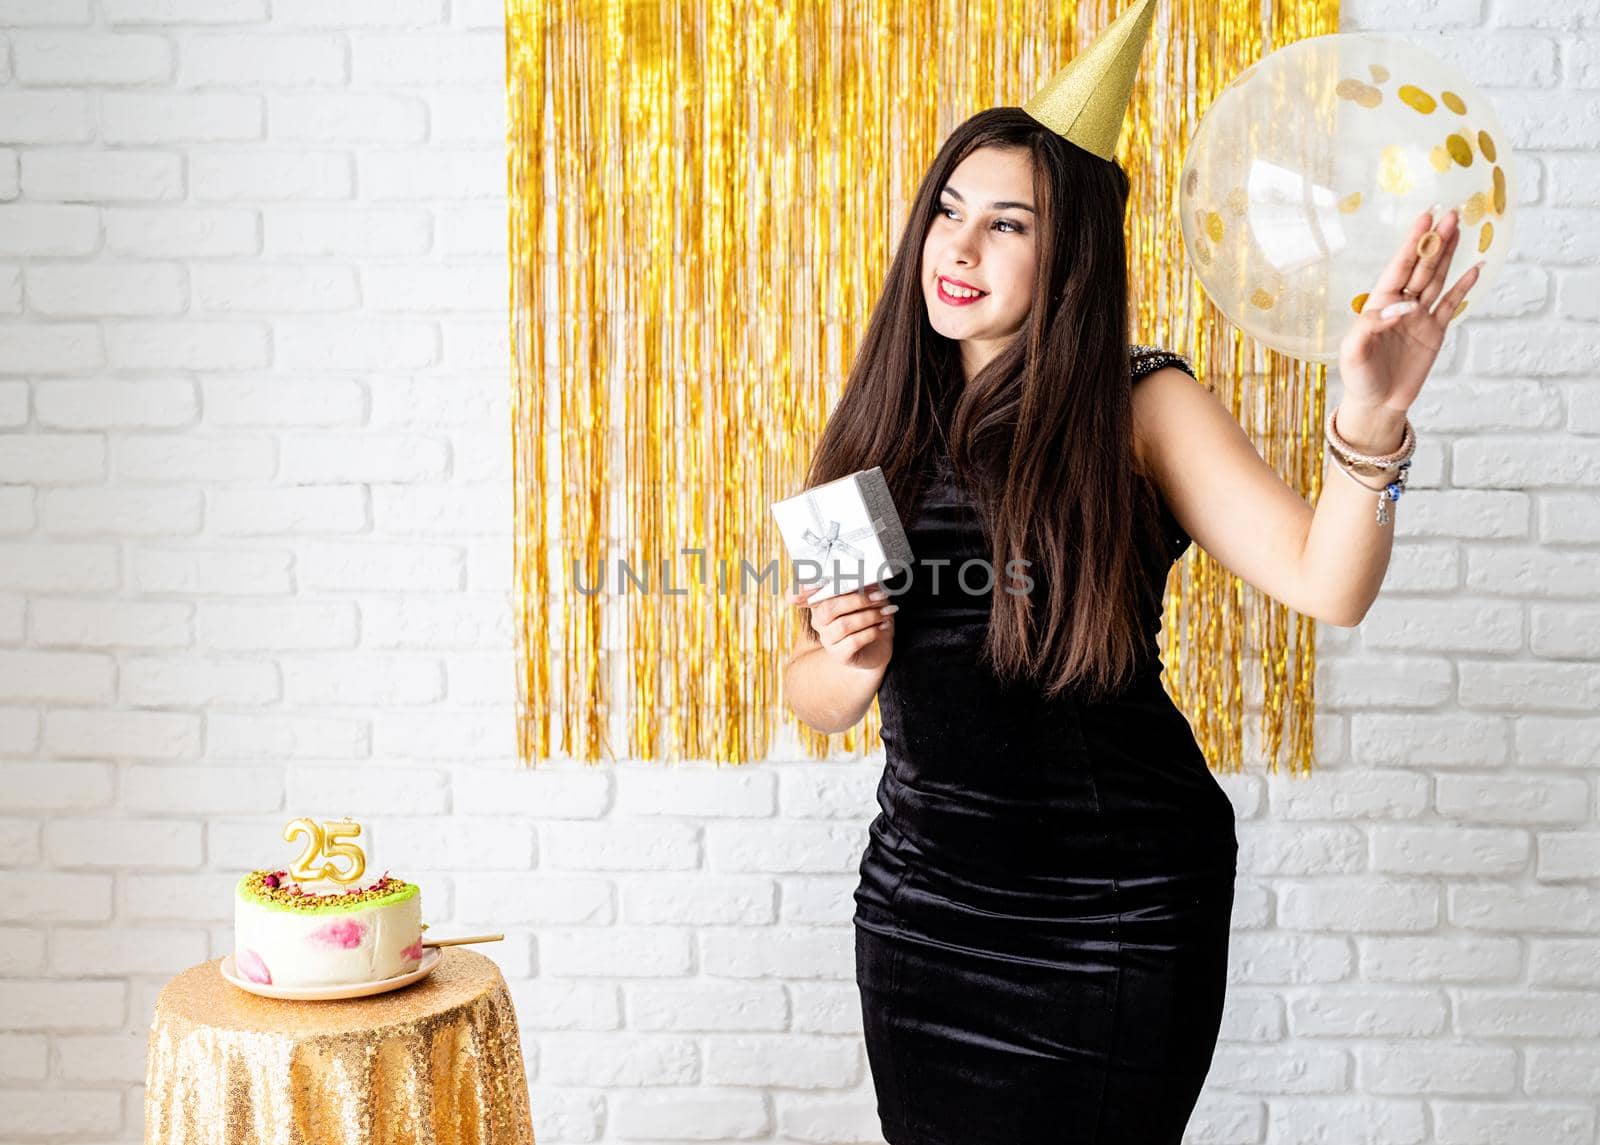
<point x="434" y="1063"/>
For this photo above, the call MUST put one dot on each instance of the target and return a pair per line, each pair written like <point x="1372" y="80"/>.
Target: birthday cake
<point x="288" y="932"/>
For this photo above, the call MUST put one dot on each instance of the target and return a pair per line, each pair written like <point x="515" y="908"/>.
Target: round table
<point x="434" y="1063"/>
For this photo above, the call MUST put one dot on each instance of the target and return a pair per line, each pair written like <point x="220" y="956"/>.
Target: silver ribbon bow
<point x="826" y="538"/>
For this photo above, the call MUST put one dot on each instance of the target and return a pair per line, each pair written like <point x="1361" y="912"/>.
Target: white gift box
<point x="845" y="534"/>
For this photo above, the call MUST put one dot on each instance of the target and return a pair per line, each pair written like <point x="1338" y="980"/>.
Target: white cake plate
<point x="430" y="958"/>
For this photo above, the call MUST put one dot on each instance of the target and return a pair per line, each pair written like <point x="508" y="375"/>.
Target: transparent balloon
<point x="1309" y="170"/>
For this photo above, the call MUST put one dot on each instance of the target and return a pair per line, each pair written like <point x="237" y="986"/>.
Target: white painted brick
<point x="1543" y="350"/>
<point x="1564" y="632"/>
<point x="211" y="572"/>
<point x="256" y="60"/>
<point x="404" y="60"/>
<point x="1379" y="14"/>
<point x="68" y="677"/>
<point x="355" y="344"/>
<point x="1366" y="904"/>
<point x="1573" y="1073"/>
<point x="257" y="176"/>
<point x="1563" y="961"/>
<point x="1399" y="1068"/>
<point x="113" y="623"/>
<point x="125" y="512"/>
<point x="178" y="898"/>
<point x="90" y="58"/>
<point x="1286" y="959"/>
<point x="1512" y="1013"/>
<point x="81" y="952"/>
<point x="1417" y="739"/>
<point x="59" y="568"/>
<point x="365" y="458"/>
<point x="102" y="176"/>
<point x="353" y="231"/>
<point x="555" y="790"/>
<point x="13" y="404"/>
<point x="43" y="1004"/>
<point x="169" y="457"/>
<point x="355" y="117"/>
<point x="19" y="843"/>
<point x="113" y="734"/>
<point x="19" y="13"/>
<point x="490" y="679"/>
<point x="1450" y="513"/>
<point x="1443" y="626"/>
<point x="439" y="735"/>
<point x="19" y="731"/>
<point x="453" y="173"/>
<point x="1554" y="909"/>
<point x="1297" y="849"/>
<point x="473" y="230"/>
<point x="261" y="287"/>
<point x="1447" y="850"/>
<point x="1522" y="686"/>
<point x="208" y="789"/>
<point x="46" y="117"/>
<point x="486" y="844"/>
<point x="1370" y="1013"/>
<point x="189" y="345"/>
<point x="55" y="785"/>
<point x="271" y="402"/>
<point x="1507" y="799"/>
<point x="123" y="843"/>
<point x="468" y="115"/>
<point x="1568" y="855"/>
<point x="358" y="13"/>
<point x="462" y="399"/>
<point x="694" y="1006"/>
<point x="1283" y="1069"/>
<point x="1543" y="572"/>
<point x="184" y="11"/>
<point x="50" y="896"/>
<point x="60" y="348"/>
<point x="366" y="680"/>
<point x="478" y="344"/>
<point x="479" y="13"/>
<point x="24" y="1057"/>
<point x="1358" y="682"/>
<point x="13" y="609"/>
<point x="52" y="1111"/>
<point x="470" y="286"/>
<point x="378" y="789"/>
<point x="285" y="737"/>
<point x="10" y="173"/>
<point x="21" y="950"/>
<point x="264" y="512"/>
<point x="103" y="1057"/>
<point x="52" y="459"/>
<point x="1433" y="959"/>
<point x="443" y="511"/>
<point x="71" y="291"/>
<point x="74" y="405"/>
<point x="142" y="117"/>
<point x="186" y="232"/>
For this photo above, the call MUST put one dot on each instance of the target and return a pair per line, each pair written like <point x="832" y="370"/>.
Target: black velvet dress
<point x="1043" y="912"/>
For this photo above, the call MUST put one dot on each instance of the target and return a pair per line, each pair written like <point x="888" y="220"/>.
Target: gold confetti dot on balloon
<point x="1203" y="254"/>
<point x="1460" y="150"/>
<point x="1237" y="201"/>
<point x="1453" y="102"/>
<point x="1369" y="96"/>
<point x="1262" y="300"/>
<point x="1473" y="210"/>
<point x="1191" y="181"/>
<point x="1499" y="191"/>
<point x="1359" y="302"/>
<point x="1213" y="226"/>
<point x="1350" y="204"/>
<point x="1380" y="74"/>
<point x="1393" y="174"/>
<point x="1486" y="145"/>
<point x="1460" y="309"/>
<point x="1348" y="88"/>
<point x="1485" y="237"/>
<point x="1414" y="97"/>
<point x="1440" y="159"/>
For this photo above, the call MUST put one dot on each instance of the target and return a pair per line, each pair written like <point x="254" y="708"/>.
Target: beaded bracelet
<point x="1348" y="459"/>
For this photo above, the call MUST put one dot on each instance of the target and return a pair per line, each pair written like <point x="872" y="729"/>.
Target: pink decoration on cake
<point x="250" y="965"/>
<point x="413" y="951"/>
<point x="346" y="934"/>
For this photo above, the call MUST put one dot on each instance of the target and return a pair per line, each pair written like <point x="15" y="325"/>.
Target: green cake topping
<point x="277" y="891"/>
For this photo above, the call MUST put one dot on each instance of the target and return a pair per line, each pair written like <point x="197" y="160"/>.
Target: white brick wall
<point x="255" y="562"/>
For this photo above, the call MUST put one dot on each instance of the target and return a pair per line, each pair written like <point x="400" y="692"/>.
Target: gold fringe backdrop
<point x="703" y="194"/>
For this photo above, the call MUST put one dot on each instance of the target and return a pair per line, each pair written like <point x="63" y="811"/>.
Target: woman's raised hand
<point x="856" y="628"/>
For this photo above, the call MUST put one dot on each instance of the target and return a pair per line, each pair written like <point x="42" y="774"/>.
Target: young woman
<point x="1043" y="912"/>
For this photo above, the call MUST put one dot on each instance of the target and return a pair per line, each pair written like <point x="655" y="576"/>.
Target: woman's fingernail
<point x="876" y="594"/>
<point x="889" y="609"/>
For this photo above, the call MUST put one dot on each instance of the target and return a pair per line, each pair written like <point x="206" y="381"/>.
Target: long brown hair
<point x="1042" y="435"/>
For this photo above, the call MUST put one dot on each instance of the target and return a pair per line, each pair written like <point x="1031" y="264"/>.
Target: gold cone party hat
<point x="1087" y="99"/>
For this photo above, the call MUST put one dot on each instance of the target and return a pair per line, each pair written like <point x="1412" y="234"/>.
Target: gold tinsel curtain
<point x="703" y="198"/>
